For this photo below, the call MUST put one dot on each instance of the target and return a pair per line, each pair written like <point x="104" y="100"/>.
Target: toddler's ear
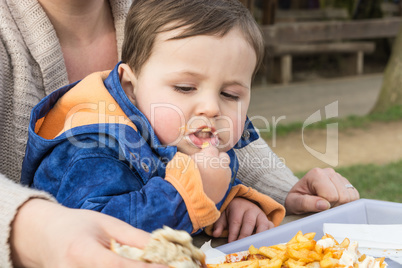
<point x="127" y="81"/>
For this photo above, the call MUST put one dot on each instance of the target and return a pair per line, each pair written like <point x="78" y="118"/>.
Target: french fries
<point x="303" y="251"/>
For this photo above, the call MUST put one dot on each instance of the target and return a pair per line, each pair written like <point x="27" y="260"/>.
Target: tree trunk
<point x="391" y="90"/>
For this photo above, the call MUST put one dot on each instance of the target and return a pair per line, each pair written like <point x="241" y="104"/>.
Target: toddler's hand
<point x="242" y="218"/>
<point x="215" y="172"/>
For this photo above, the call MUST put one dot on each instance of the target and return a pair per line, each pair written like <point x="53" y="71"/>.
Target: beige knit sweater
<point x="31" y="67"/>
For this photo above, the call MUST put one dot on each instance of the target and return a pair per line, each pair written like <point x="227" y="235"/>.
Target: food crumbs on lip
<point x="184" y="128"/>
<point x="205" y="145"/>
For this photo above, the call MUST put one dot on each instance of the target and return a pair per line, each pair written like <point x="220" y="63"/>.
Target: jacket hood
<point x="87" y="107"/>
<point x="88" y="102"/>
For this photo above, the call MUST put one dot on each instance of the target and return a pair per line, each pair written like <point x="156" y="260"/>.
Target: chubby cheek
<point x="167" y="122"/>
<point x="238" y="127"/>
<point x="238" y="130"/>
<point x="231" y="129"/>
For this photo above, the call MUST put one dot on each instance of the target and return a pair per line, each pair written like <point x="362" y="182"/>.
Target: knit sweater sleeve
<point x="12" y="197"/>
<point x="261" y="169"/>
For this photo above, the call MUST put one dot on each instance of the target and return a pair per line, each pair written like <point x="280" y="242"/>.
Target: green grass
<point x="392" y="114"/>
<point x="381" y="182"/>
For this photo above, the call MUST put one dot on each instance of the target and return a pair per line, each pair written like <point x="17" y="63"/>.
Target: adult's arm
<point x="12" y="197"/>
<point x="318" y="190"/>
<point x="46" y="234"/>
<point x="37" y="232"/>
<point x="262" y="169"/>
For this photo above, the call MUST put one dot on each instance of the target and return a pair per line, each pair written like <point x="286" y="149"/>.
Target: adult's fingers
<point x="333" y="180"/>
<point x="319" y="190"/>
<point x="312" y="193"/>
<point x="297" y="203"/>
<point x="104" y="258"/>
<point x="320" y="184"/>
<point x="354" y="193"/>
<point x="126" y="234"/>
<point x="346" y="192"/>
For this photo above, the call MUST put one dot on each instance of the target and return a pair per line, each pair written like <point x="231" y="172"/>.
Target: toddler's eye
<point x="183" y="88"/>
<point x="230" y="96"/>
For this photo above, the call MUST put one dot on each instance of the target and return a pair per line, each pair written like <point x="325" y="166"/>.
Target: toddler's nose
<point x="208" y="107"/>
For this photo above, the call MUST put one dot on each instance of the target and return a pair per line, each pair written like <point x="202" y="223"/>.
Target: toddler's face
<point x="196" y="91"/>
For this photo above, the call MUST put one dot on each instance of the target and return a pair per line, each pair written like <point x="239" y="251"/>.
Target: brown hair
<point x="147" y="18"/>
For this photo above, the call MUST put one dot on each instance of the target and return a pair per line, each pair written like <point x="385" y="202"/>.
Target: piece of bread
<point x="167" y="246"/>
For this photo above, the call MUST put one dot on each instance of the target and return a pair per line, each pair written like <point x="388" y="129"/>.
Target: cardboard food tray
<point x="363" y="211"/>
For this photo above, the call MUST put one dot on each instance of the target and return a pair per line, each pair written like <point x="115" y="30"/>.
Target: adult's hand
<point x="45" y="234"/>
<point x="319" y="190"/>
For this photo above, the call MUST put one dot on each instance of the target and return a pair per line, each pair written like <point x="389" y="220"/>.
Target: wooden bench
<point x="267" y="15"/>
<point x="283" y="41"/>
<point x="390" y="9"/>
<point x="321" y="14"/>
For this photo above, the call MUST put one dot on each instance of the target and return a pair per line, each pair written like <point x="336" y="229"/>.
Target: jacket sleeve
<point x="274" y="211"/>
<point x="110" y="186"/>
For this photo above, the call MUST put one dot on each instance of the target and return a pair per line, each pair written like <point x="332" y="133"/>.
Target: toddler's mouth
<point x="203" y="137"/>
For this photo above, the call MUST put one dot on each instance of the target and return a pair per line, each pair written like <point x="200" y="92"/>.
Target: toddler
<point x="151" y="142"/>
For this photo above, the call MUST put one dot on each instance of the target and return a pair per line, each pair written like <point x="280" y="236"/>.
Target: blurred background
<point x="329" y="93"/>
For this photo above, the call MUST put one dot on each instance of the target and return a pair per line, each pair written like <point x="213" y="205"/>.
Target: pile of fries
<point x="304" y="251"/>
